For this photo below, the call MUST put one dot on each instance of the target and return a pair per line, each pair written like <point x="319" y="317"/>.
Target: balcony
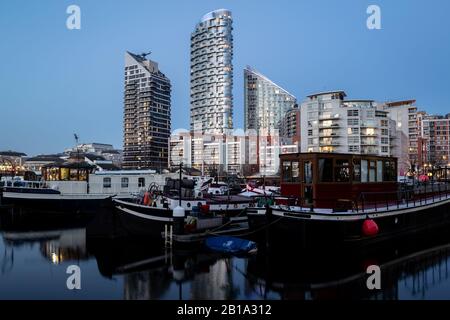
<point x="329" y="126"/>
<point x="329" y="117"/>
<point x="368" y="143"/>
<point x="336" y="133"/>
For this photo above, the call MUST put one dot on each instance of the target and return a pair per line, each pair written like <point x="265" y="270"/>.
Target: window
<point x="364" y="170"/>
<point x="106" y="183"/>
<point x="353" y="130"/>
<point x="356" y="170"/>
<point x="353" y="113"/>
<point x="326" y="170"/>
<point x="125" y="182"/>
<point x="295" y="172"/>
<point x="307" y="172"/>
<point x="353" y="122"/>
<point x="342" y="171"/>
<point x="353" y="149"/>
<point x="372" y="171"/>
<point x="379" y="171"/>
<point x="389" y="171"/>
<point x="141" y="183"/>
<point x="287" y="171"/>
<point x="353" y="140"/>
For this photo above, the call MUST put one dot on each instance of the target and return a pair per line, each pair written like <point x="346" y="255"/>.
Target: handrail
<point x="423" y="195"/>
<point x="380" y="201"/>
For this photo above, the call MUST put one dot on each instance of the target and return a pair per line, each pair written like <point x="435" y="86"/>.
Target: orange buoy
<point x="146" y="199"/>
<point x="370" y="228"/>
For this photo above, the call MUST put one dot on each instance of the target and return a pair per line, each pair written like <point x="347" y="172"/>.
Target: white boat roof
<point x="125" y="172"/>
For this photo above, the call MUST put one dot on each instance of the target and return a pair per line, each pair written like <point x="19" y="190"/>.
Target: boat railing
<point x="24" y="184"/>
<point x="369" y="202"/>
<point x="408" y="197"/>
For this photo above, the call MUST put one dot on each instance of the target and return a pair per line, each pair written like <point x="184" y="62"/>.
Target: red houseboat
<point x="348" y="199"/>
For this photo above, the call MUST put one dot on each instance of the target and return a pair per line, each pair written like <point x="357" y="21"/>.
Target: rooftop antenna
<point x="145" y="54"/>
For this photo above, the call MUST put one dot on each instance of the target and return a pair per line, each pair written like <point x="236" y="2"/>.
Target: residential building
<point x="212" y="74"/>
<point x="266" y="103"/>
<point x="147" y="114"/>
<point x="290" y="129"/>
<point x="434" y="140"/>
<point x="235" y="154"/>
<point x="405" y="132"/>
<point x="332" y="124"/>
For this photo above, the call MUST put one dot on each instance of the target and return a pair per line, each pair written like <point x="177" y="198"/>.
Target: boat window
<point x="83" y="175"/>
<point x="307" y="172"/>
<point x="295" y="172"/>
<point x="106" y="182"/>
<point x="379" y="171"/>
<point x="389" y="171"/>
<point x="125" y="182"/>
<point x="372" y="171"/>
<point x="308" y="195"/>
<point x="326" y="170"/>
<point x="65" y="174"/>
<point x="141" y="182"/>
<point x="357" y="170"/>
<point x="364" y="170"/>
<point x="73" y="175"/>
<point x="53" y="174"/>
<point x="287" y="171"/>
<point x="342" y="171"/>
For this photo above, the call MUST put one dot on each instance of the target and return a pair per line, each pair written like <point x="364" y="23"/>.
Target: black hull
<point x="68" y="206"/>
<point x="312" y="231"/>
<point x="146" y="222"/>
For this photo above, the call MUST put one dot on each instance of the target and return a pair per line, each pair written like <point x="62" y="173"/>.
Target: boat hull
<point x="310" y="230"/>
<point x="141" y="221"/>
<point x="43" y="202"/>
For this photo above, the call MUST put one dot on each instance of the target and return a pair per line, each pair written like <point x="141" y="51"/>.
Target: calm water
<point x="35" y="254"/>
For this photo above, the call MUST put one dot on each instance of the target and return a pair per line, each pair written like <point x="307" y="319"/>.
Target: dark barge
<point x="346" y="200"/>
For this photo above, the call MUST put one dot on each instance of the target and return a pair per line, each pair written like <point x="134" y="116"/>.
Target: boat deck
<point x="372" y="208"/>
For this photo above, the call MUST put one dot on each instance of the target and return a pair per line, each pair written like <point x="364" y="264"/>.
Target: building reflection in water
<point x="416" y="270"/>
<point x="216" y="284"/>
<point x="69" y="246"/>
<point x="147" y="285"/>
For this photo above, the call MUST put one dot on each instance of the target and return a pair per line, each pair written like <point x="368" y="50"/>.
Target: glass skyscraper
<point x="212" y="74"/>
<point x="266" y="103"/>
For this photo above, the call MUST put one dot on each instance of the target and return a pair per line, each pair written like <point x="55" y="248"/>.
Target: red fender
<point x="370" y="228"/>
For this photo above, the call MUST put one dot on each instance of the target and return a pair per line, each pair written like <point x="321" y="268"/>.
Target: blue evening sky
<point x="54" y="82"/>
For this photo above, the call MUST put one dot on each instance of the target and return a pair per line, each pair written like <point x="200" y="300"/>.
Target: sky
<point x="55" y="82"/>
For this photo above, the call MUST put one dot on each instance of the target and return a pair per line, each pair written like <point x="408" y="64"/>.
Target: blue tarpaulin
<point x="230" y="245"/>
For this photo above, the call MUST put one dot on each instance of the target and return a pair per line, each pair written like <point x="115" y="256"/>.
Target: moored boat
<point x="152" y="213"/>
<point x="335" y="200"/>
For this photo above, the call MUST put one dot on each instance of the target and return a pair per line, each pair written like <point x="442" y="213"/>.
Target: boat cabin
<point x="68" y="171"/>
<point x="322" y="180"/>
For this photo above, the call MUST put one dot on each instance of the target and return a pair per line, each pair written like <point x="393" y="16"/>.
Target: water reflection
<point x="36" y="252"/>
